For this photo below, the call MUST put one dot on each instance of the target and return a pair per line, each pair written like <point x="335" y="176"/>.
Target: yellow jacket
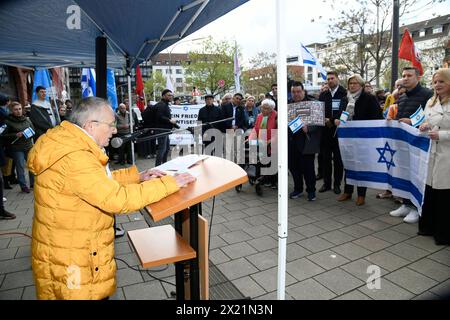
<point x="75" y="200"/>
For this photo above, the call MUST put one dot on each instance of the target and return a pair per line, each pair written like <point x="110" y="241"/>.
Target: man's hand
<point x="19" y="134"/>
<point x="173" y="121"/>
<point x="305" y="128"/>
<point x="183" y="179"/>
<point x="337" y="122"/>
<point x="151" y="174"/>
<point x="405" y="120"/>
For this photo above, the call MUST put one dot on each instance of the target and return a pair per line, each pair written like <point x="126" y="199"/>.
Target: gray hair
<point x="268" y="102"/>
<point x="88" y="107"/>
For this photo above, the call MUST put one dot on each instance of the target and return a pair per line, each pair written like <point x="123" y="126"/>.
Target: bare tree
<point x="363" y="36"/>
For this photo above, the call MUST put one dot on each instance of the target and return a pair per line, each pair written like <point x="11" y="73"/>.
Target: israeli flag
<point x="296" y="124"/>
<point x="418" y="117"/>
<point x="385" y="155"/>
<point x="344" y="116"/>
<point x="88" y="83"/>
<point x="28" y="133"/>
<point x="309" y="59"/>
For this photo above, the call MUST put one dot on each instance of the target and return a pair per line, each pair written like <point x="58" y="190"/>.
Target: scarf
<point x="352" y="97"/>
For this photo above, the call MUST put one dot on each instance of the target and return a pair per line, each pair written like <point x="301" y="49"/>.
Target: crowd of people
<point x="74" y="173"/>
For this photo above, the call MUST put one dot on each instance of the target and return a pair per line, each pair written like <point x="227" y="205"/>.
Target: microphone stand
<point x="158" y="135"/>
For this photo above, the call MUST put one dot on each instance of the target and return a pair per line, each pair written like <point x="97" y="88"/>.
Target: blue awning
<point x="37" y="33"/>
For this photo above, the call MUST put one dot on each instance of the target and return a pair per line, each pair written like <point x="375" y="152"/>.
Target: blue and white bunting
<point x="418" y="117"/>
<point x="296" y="124"/>
<point x="386" y="155"/>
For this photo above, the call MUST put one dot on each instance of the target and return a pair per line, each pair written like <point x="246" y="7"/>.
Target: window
<point x="179" y="80"/>
<point x="158" y="71"/>
<point x="437" y="29"/>
<point x="422" y="33"/>
<point x="310" y="77"/>
<point x="179" y="71"/>
<point x="168" y="71"/>
<point x="310" y="69"/>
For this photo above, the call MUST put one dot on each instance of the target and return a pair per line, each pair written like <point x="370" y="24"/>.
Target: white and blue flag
<point x="418" y="117"/>
<point x="88" y="83"/>
<point x="296" y="124"/>
<point x="344" y="116"/>
<point x="28" y="133"/>
<point x="385" y="155"/>
<point x="309" y="59"/>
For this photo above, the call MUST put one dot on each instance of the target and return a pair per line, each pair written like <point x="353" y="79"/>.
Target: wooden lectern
<point x="214" y="176"/>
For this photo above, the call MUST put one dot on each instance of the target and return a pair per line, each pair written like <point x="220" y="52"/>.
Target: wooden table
<point x="214" y="176"/>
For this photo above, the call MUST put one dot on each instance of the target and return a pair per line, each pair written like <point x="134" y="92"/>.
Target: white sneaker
<point x="400" y="212"/>
<point x="412" y="217"/>
<point x="4" y="199"/>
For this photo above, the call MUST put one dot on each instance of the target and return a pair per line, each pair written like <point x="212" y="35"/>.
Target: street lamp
<point x="171" y="50"/>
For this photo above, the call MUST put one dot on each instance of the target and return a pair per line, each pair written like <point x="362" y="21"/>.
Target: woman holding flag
<point x="435" y="218"/>
<point x="19" y="133"/>
<point x="360" y="106"/>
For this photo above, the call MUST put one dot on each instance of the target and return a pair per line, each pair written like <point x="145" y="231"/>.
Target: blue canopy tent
<point x="114" y="33"/>
<point x="45" y="32"/>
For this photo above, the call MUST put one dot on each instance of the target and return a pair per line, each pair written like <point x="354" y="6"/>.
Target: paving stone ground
<point x="335" y="250"/>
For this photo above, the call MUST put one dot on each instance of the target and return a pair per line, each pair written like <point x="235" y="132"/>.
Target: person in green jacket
<point x="18" y="141"/>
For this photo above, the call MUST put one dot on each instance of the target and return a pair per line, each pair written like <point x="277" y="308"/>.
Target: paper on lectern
<point x="181" y="164"/>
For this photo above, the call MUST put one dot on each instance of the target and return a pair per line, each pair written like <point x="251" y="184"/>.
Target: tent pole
<point x="130" y="103"/>
<point x="282" y="146"/>
<point x="100" y="67"/>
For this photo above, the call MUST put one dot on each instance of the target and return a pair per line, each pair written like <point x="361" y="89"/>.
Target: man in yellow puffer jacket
<point x="76" y="197"/>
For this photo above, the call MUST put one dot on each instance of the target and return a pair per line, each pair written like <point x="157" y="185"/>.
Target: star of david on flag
<point x="382" y="152"/>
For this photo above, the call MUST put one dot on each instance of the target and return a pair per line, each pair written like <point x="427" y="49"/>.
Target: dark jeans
<point x="435" y="218"/>
<point x="20" y="158"/>
<point x="163" y="150"/>
<point x="360" y="190"/>
<point x="125" y="149"/>
<point x="302" y="167"/>
<point x="330" y="152"/>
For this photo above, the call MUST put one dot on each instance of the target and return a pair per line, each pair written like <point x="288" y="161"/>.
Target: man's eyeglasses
<point x="112" y="125"/>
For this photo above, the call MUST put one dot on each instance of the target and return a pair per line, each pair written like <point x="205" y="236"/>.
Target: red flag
<point x="139" y="89"/>
<point x="408" y="51"/>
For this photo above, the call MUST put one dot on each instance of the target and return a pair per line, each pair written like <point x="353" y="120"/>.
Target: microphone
<point x="117" y="142"/>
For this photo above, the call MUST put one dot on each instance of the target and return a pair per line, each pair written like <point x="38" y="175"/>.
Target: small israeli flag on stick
<point x="417" y="117"/>
<point x="344" y="116"/>
<point x="28" y="133"/>
<point x="296" y="124"/>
